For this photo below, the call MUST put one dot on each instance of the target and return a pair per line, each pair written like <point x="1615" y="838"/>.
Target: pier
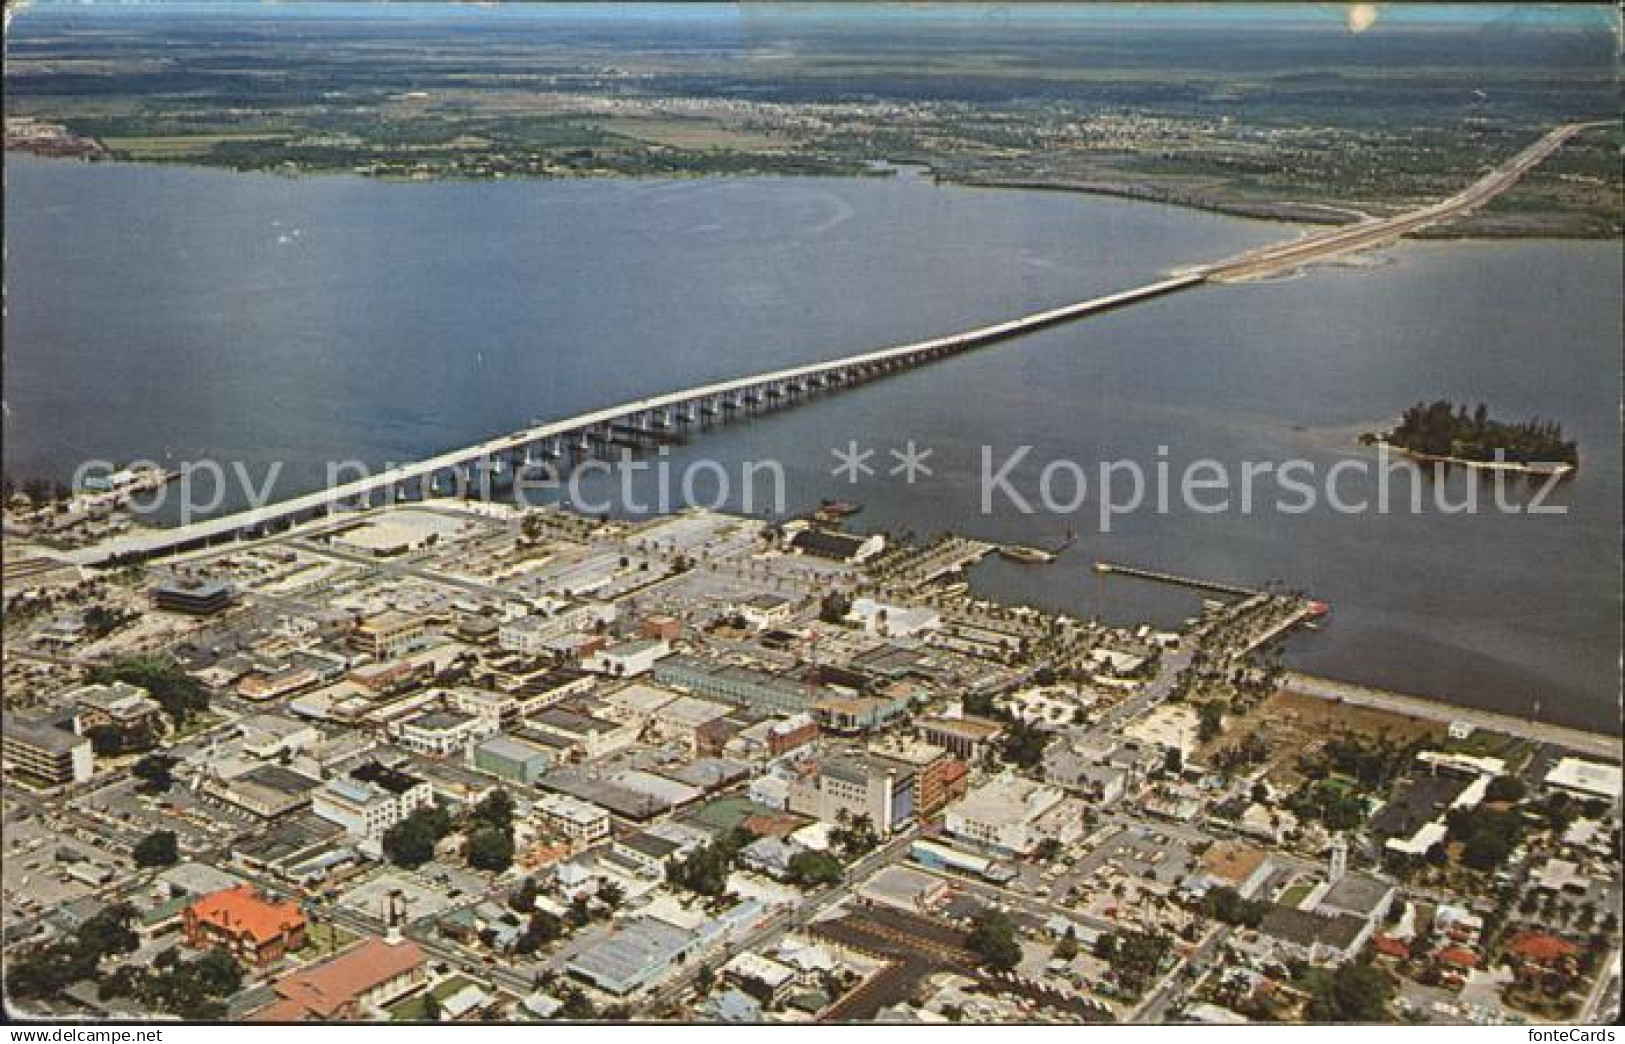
<point x="1160" y="577"/>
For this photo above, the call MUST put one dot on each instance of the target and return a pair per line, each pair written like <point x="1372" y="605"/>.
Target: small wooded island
<point x="1442" y="431"/>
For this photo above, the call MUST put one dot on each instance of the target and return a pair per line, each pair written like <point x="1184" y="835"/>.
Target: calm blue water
<point x="176" y="313"/>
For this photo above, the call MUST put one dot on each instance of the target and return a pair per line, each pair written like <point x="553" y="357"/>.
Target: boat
<point x="839" y="508"/>
<point x="1026" y="555"/>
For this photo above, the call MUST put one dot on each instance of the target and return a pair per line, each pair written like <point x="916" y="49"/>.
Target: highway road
<point x="1272" y="260"/>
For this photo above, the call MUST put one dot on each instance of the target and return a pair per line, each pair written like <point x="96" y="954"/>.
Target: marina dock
<point x="1161" y="577"/>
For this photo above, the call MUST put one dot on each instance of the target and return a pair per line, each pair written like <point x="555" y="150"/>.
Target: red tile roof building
<point x="1457" y="957"/>
<point x="1541" y="948"/>
<point x="354" y="985"/>
<point x="250" y="927"/>
<point x="1388" y="946"/>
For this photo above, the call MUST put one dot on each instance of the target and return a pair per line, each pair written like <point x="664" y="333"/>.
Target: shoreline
<point x="1316" y="214"/>
<point x="1290" y="213"/>
<point x="1600" y="745"/>
<point x="1512" y="466"/>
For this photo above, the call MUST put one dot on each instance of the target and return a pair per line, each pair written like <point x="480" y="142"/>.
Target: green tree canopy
<point x="1355" y="992"/>
<point x="490" y="849"/>
<point x="814" y="869"/>
<point x="180" y="695"/>
<point x="158" y="848"/>
<point x="993" y="939"/>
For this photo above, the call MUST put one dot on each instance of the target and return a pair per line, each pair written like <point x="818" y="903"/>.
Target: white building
<point x="442" y="733"/>
<point x="539" y="635"/>
<point x="371" y="800"/>
<point x="854" y="787"/>
<point x="628" y="659"/>
<point x="1586" y="779"/>
<point x="765" y="611"/>
<point x="267" y="736"/>
<point x="582" y="822"/>
<point x="893" y="621"/>
<point x="499" y="708"/>
<point x="1014" y="816"/>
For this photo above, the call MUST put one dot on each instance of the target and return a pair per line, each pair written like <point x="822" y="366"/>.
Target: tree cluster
<point x="1227" y="905"/>
<point x="410" y="843"/>
<point x="1355" y="992"/>
<point x="1134" y="958"/>
<point x="1487" y="835"/>
<point x="195" y="990"/>
<point x="46" y="969"/>
<point x="1446" y="430"/>
<point x="159" y="848"/>
<point x="993" y="939"/>
<point x="490" y="833"/>
<point x="705" y="870"/>
<point x="180" y="695"/>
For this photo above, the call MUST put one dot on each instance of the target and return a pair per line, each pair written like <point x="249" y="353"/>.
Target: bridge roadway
<point x="1342" y="240"/>
<point x="660" y="414"/>
<point x="737" y="395"/>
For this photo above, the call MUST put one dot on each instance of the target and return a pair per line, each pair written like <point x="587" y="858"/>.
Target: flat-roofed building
<point x="371" y="799"/>
<point x="268" y="791"/>
<point x="1359" y="894"/>
<point x="628" y="659"/>
<point x="699" y="724"/>
<point x="852" y="715"/>
<point x="966" y="737"/>
<point x="119" y="705"/>
<point x="649" y="852"/>
<point x="528" y="635"/>
<point x="1013" y="816"/>
<point x="193" y="597"/>
<point x="855" y="787"/>
<point x="749" y="687"/>
<point x="772" y="738"/>
<point x="442" y="733"/>
<point x="642" y="953"/>
<point x="391" y="633"/>
<point x="501" y="708"/>
<point x="277" y="683"/>
<point x="580" y="822"/>
<point x="765" y="611"/>
<point x="267" y="736"/>
<point x="636" y="702"/>
<point x="43" y="751"/>
<point x="511" y="758"/>
<point x="762" y="977"/>
<point x="940" y="777"/>
<point x="595" y="737"/>
<point x="1234" y="865"/>
<point x="1586" y="779"/>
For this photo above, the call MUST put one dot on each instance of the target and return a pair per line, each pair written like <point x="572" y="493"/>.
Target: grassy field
<point x="691" y="134"/>
<point x="181" y="146"/>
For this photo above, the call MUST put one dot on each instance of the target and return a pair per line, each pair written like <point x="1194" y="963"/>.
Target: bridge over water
<point x="662" y="418"/>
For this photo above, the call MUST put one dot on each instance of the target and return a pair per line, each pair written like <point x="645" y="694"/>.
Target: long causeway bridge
<point x="664" y="418"/>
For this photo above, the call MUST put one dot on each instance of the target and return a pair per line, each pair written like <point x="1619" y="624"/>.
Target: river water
<point x="178" y="314"/>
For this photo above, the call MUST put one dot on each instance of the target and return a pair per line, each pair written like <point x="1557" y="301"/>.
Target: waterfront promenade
<point x="1590" y="744"/>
